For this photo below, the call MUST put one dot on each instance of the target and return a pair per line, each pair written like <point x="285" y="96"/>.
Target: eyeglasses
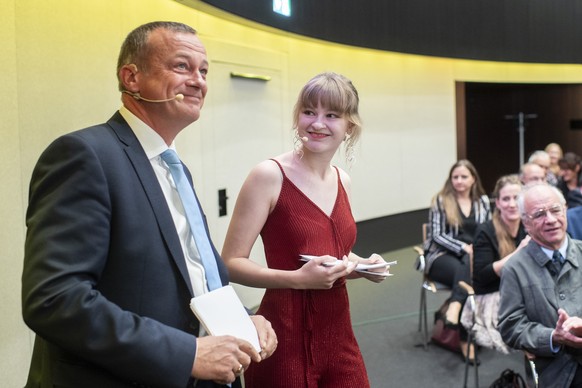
<point x="556" y="210"/>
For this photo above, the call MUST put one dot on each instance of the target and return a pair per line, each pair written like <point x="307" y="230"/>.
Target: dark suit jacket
<point x="574" y="216"/>
<point x="573" y="197"/>
<point x="105" y="285"/>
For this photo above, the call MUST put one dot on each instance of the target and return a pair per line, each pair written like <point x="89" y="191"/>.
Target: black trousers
<point x="577" y="382"/>
<point x="449" y="269"/>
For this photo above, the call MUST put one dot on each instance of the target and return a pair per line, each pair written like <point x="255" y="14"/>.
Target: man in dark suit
<point x="541" y="285"/>
<point x="110" y="263"/>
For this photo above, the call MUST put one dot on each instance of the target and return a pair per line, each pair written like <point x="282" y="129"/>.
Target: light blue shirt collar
<point x="563" y="249"/>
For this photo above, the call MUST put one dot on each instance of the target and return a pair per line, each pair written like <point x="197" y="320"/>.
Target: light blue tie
<point x="194" y="216"/>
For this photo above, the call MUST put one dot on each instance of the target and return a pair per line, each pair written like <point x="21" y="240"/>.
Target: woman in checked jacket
<point x="455" y="212"/>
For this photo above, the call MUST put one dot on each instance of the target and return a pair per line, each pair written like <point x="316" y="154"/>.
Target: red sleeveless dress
<point x="317" y="346"/>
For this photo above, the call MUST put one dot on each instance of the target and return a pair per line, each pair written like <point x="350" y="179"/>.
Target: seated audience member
<point x="556" y="153"/>
<point x="542" y="159"/>
<point x="570" y="181"/>
<point x="494" y="244"/>
<point x="531" y="173"/>
<point x="455" y="212"/>
<point x="574" y="217"/>
<point x="541" y="286"/>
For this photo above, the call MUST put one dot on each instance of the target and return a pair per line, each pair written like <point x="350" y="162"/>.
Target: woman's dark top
<point x="485" y="253"/>
<point x="468" y="227"/>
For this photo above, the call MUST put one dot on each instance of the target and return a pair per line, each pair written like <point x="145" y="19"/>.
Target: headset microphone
<point x="137" y="96"/>
<point x="304" y="139"/>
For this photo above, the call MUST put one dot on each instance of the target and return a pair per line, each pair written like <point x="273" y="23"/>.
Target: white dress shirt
<point x="153" y="145"/>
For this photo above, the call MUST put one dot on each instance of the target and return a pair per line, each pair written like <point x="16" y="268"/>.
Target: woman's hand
<point x="369" y="275"/>
<point x="267" y="336"/>
<point x="523" y="243"/>
<point x="499" y="264"/>
<point x="321" y="272"/>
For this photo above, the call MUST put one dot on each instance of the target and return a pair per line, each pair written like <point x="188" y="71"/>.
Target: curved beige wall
<point x="57" y="75"/>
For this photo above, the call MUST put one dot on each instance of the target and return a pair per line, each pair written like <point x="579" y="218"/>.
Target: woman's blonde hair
<point x="504" y="238"/>
<point x="556" y="146"/>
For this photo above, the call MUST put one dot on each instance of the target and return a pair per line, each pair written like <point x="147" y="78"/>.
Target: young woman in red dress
<point x="299" y="204"/>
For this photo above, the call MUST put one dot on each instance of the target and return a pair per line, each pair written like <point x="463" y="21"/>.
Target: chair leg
<point x="531" y="375"/>
<point x="469" y="339"/>
<point x="420" y="309"/>
<point x="471" y="343"/>
<point x="474" y="344"/>
<point x="422" y="318"/>
<point x="534" y="373"/>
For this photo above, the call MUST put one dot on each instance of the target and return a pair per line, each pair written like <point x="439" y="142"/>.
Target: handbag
<point x="509" y="379"/>
<point x="442" y="335"/>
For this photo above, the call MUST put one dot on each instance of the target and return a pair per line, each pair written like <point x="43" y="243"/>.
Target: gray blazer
<point x="528" y="311"/>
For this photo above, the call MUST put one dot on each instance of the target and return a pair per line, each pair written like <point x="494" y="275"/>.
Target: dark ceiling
<point x="541" y="31"/>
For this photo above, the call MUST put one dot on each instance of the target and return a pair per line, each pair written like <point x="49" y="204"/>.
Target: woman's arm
<point x="498" y="265"/>
<point x="440" y="231"/>
<point x="487" y="264"/>
<point x="484" y="255"/>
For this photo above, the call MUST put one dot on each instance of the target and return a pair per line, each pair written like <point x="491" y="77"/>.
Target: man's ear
<point x="128" y="74"/>
<point x="526" y="223"/>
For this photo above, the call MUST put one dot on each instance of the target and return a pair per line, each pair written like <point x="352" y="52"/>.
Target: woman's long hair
<point x="448" y="197"/>
<point x="504" y="238"/>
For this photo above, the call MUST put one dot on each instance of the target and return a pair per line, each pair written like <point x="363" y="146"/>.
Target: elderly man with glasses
<point x="541" y="291"/>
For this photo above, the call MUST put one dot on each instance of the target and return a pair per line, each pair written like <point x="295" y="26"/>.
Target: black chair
<point x="471" y="342"/>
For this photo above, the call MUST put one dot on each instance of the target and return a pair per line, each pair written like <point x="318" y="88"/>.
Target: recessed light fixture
<point x="282" y="7"/>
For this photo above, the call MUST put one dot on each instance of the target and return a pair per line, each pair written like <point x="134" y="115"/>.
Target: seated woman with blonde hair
<point x="556" y="153"/>
<point x="495" y="242"/>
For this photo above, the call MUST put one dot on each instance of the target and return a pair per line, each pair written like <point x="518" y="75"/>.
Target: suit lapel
<point x="572" y="254"/>
<point x="151" y="186"/>
<point x="538" y="255"/>
<point x="542" y="260"/>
